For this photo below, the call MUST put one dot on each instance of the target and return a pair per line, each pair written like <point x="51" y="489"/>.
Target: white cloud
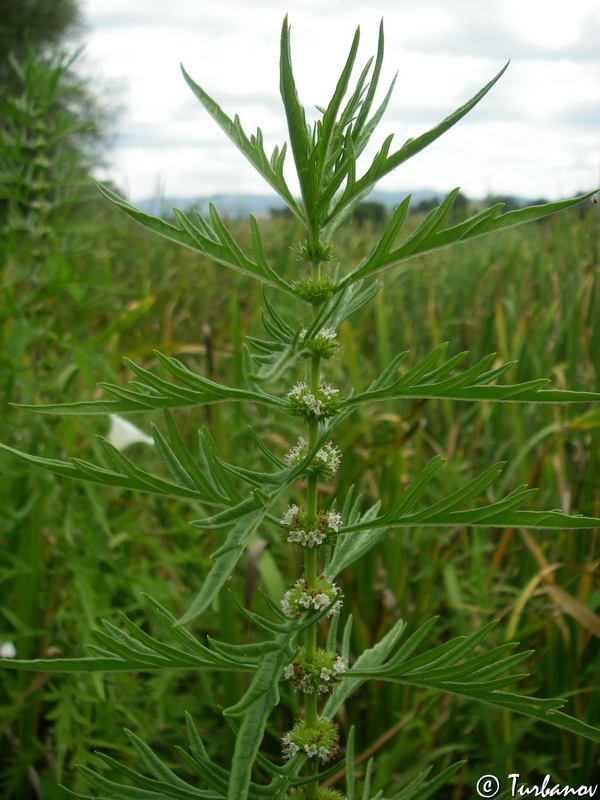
<point x="534" y="134"/>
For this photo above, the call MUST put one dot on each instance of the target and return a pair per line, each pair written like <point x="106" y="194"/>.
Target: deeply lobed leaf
<point x="451" y="668"/>
<point x="422" y="381"/>
<point x="449" y="512"/>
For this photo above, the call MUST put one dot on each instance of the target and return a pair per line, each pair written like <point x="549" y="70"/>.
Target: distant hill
<point x="240" y="205"/>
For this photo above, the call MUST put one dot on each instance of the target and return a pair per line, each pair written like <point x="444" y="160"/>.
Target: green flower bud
<point x="314" y="293"/>
<point x="324" y="344"/>
<point x="320" y="741"/>
<point x="299" y="598"/>
<point x="317" y="675"/>
<point x="323" y="793"/>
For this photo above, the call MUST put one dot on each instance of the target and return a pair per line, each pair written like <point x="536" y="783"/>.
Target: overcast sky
<point x="537" y="133"/>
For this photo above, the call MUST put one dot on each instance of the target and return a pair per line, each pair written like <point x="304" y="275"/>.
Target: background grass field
<point x="74" y="554"/>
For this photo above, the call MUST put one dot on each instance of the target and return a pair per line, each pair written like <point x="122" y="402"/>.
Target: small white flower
<point x="334" y="520"/>
<point x="290" y="515"/>
<point x="329" y="455"/>
<point x="328" y="333"/>
<point x="285" y="605"/>
<point x="289" y="748"/>
<point x="296" y="537"/>
<point x="339" y="666"/>
<point x="8" y="650"/>
<point x="311" y="750"/>
<point x="297" y="452"/>
<point x="324" y="754"/>
<point x="326" y="674"/>
<point x="336" y="608"/>
<point x="298" y="389"/>
<point x="307" y="539"/>
<point x="311" y="402"/>
<point x="288" y="671"/>
<point x="318" y="537"/>
<point x="327" y="390"/>
<point x="319" y="601"/>
<point x="123" y="433"/>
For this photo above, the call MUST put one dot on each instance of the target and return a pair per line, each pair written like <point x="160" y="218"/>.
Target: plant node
<point x="317" y="674"/>
<point x="300" y="597"/>
<point x="324" y="464"/>
<point x="321" y="404"/>
<point x="316" y="741"/>
<point x="318" y="251"/>
<point x="323" y="344"/>
<point x="296" y="520"/>
<point x="313" y="292"/>
<point x="299" y="793"/>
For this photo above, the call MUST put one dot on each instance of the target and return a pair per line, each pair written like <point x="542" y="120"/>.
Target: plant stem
<point x="312" y="767"/>
<point x="310" y="559"/>
<point x="312" y="493"/>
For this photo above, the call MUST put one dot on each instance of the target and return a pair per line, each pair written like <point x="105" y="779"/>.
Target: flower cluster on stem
<point x="324" y="344"/>
<point x="317" y="675"/>
<point x="300" y="597"/>
<point x="299" y="793"/>
<point x="325" y="462"/>
<point x="296" y="519"/>
<point x="316" y="741"/>
<point x="314" y="670"/>
<point x="320" y="402"/>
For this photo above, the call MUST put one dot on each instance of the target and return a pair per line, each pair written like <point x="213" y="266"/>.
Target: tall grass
<point x="534" y="296"/>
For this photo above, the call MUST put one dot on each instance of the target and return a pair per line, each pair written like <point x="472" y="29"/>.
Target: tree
<point x="33" y="25"/>
<point x="370" y="212"/>
<point x="51" y="123"/>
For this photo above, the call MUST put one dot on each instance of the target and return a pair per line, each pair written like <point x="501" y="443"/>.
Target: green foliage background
<point x="71" y="553"/>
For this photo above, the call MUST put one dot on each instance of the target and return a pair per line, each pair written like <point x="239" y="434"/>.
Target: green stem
<point x="315" y="374"/>
<point x="310" y="560"/>
<point x="316" y="272"/>
<point x="312" y="767"/>
<point x="310" y="567"/>
<point x="312" y="493"/>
